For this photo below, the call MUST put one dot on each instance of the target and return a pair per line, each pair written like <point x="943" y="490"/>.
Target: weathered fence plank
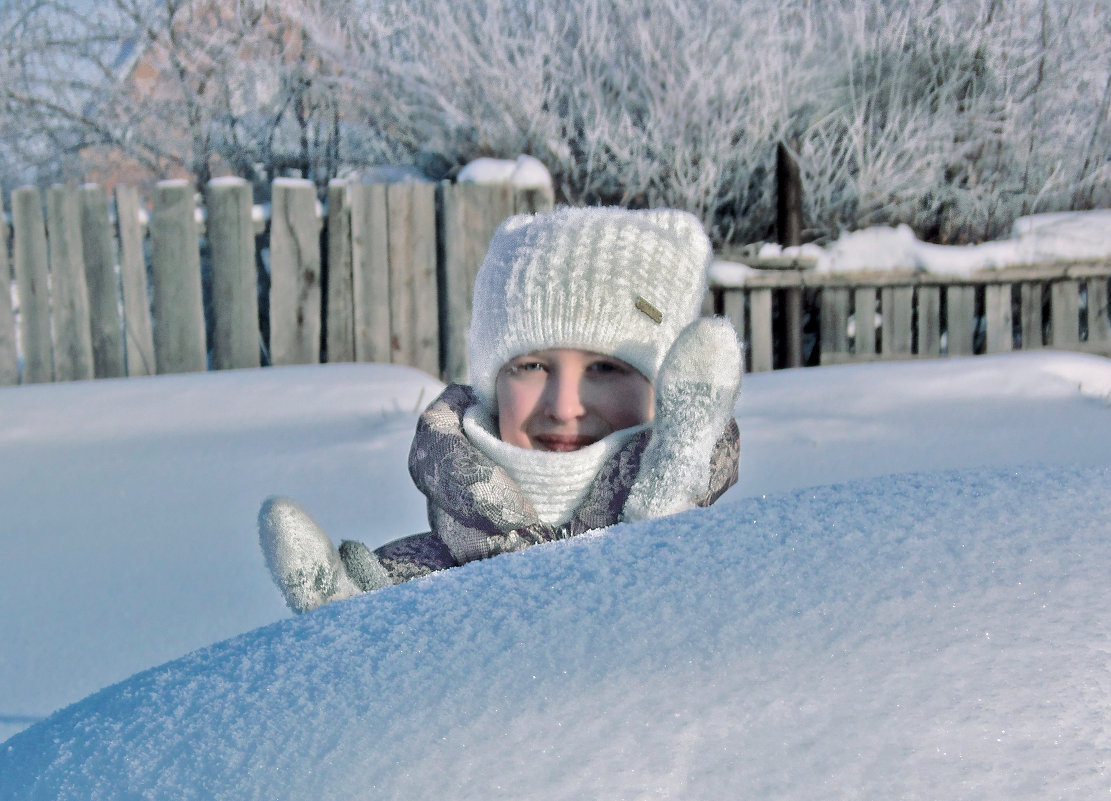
<point x="929" y="321"/>
<point x="1064" y="314"/>
<point x="471" y="215"/>
<point x="100" y="273"/>
<point x="792" y="314"/>
<point x="138" y="335"/>
<point x="69" y="290"/>
<point x="733" y="307"/>
<point x="960" y="303"/>
<point x="897" y="304"/>
<point x="294" y="274"/>
<point x="760" y="321"/>
<point x="339" y="317"/>
<point x="370" y="272"/>
<point x="834" y="332"/>
<point x="998" y="318"/>
<point x="179" y="330"/>
<point x="414" y="304"/>
<point x="231" y="240"/>
<point x="1099" y="325"/>
<point x="864" y="322"/>
<point x="1030" y="314"/>
<point x="9" y="358"/>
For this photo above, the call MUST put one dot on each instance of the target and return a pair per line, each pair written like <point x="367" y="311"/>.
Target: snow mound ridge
<point x="933" y="634"/>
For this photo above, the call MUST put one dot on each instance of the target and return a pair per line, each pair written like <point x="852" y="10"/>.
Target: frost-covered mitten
<point x="302" y="560"/>
<point x="696" y="390"/>
<point x="364" y="568"/>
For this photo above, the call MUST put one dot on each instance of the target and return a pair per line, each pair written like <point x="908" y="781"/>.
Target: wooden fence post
<point x="295" y="319"/>
<point x="833" y="335"/>
<point x="760" y="321"/>
<point x="1064" y="313"/>
<point x="960" y="317"/>
<point x="1099" y="325"/>
<point x="137" y="333"/>
<point x="896" y="303"/>
<point x="733" y="307"/>
<point x="339" y="322"/>
<point x="370" y="272"/>
<point x="9" y="358"/>
<point x="32" y="280"/>
<point x="864" y="321"/>
<point x="471" y="215"/>
<point x="1030" y="311"/>
<point x="69" y="290"/>
<point x="414" y="304"/>
<point x="788" y="181"/>
<point x="231" y="239"/>
<point x="179" y="333"/>
<point x="999" y="336"/>
<point x="929" y="321"/>
<point x="100" y="272"/>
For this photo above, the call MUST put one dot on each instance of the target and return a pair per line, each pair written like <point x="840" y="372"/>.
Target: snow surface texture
<point x="129" y="529"/>
<point x="935" y="636"/>
<point x="128" y="535"/>
<point x="864" y="640"/>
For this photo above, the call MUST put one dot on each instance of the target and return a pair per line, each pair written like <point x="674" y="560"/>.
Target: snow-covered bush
<point x="952" y="117"/>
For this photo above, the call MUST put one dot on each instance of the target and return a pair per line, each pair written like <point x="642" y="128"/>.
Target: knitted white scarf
<point x="555" y="482"/>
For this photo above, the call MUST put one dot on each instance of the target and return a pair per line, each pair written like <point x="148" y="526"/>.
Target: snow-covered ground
<point x="905" y="597"/>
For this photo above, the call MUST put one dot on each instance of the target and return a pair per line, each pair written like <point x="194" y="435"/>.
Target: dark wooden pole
<point x="789" y="231"/>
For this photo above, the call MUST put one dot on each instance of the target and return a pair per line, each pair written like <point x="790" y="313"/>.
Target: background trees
<point x="952" y="117"/>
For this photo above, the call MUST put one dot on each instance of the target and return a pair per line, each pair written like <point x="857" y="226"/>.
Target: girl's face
<point x="564" y="399"/>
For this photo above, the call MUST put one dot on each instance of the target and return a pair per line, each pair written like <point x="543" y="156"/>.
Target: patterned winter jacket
<point x="476" y="510"/>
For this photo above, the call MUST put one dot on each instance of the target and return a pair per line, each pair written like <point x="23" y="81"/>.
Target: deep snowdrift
<point x="939" y="635"/>
<point x="127" y="538"/>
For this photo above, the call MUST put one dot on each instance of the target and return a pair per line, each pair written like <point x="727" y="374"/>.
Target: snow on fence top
<point x="1034" y="240"/>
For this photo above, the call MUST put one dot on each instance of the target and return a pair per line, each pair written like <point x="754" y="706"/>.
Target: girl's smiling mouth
<point x="564" y="442"/>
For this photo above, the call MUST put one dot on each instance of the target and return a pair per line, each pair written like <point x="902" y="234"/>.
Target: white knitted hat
<point x="623" y="283"/>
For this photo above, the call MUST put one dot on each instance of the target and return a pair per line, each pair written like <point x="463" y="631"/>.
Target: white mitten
<point x="696" y="390"/>
<point x="302" y="560"/>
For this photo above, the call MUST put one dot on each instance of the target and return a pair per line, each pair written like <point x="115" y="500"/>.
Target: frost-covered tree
<point x="954" y="117"/>
<point x="121" y="88"/>
<point x="958" y="118"/>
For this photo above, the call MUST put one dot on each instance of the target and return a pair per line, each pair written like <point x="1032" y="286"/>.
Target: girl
<point x="598" y="396"/>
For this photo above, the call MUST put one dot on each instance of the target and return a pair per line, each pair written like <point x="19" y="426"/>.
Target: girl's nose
<point x="564" y="396"/>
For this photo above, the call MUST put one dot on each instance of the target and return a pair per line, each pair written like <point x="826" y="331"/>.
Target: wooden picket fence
<point x="385" y="275"/>
<point x="870" y="316"/>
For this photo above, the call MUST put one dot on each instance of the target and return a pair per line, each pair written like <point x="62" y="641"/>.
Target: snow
<point x="905" y="596"/>
<point x="293" y="183"/>
<point x="227" y="180"/>
<point x="1070" y="236"/>
<point x="391" y="174"/>
<point x="524" y="172"/>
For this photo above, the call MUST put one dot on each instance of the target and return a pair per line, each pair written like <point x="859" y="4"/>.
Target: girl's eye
<point x="517" y="368"/>
<point x="605" y="367"/>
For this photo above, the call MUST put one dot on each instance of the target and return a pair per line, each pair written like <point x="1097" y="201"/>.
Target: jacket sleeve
<point x="724" y="464"/>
